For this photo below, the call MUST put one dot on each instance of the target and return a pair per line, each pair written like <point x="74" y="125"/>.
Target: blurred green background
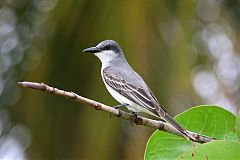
<point x="186" y="51"/>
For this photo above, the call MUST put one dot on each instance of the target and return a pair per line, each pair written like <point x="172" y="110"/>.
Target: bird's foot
<point x="119" y="106"/>
<point x="135" y="118"/>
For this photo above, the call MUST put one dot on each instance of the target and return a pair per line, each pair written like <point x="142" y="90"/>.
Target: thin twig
<point x="118" y="113"/>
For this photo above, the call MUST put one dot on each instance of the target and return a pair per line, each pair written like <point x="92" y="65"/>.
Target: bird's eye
<point x="107" y="47"/>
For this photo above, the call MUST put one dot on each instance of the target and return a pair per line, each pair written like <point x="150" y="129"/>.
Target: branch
<point x="118" y="113"/>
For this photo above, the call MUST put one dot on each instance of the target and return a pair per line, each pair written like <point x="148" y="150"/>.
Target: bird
<point x="127" y="86"/>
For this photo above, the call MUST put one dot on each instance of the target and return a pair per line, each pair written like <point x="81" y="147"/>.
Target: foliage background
<point x="187" y="51"/>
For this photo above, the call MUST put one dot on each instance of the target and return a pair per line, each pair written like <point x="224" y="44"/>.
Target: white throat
<point x="106" y="57"/>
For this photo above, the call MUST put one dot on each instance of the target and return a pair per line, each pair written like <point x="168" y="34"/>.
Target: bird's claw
<point x="120" y="105"/>
<point x="117" y="107"/>
<point x="135" y="118"/>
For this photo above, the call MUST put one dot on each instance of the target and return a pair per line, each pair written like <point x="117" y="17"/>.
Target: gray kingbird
<point x="126" y="86"/>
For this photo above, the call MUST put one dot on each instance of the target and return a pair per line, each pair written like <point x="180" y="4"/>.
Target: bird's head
<point x="106" y="51"/>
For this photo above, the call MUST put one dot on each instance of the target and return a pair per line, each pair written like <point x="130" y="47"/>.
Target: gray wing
<point x="132" y="87"/>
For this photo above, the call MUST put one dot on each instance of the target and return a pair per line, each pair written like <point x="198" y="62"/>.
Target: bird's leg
<point x="119" y="106"/>
<point x="135" y="118"/>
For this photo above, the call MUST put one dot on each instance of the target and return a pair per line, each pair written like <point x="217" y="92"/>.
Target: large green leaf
<point x="237" y="125"/>
<point x="164" y="145"/>
<point x="209" y="120"/>
<point x="214" y="150"/>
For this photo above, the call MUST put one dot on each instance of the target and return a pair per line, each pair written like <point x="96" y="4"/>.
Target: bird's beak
<point x="92" y="50"/>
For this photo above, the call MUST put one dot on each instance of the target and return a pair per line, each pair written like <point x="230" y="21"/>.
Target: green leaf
<point x="209" y="120"/>
<point x="162" y="145"/>
<point x="214" y="150"/>
<point x="237" y="125"/>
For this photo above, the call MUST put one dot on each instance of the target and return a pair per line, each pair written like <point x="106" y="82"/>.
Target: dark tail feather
<point x="171" y="121"/>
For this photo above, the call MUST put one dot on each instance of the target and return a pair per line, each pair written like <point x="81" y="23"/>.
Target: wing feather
<point x="137" y="94"/>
